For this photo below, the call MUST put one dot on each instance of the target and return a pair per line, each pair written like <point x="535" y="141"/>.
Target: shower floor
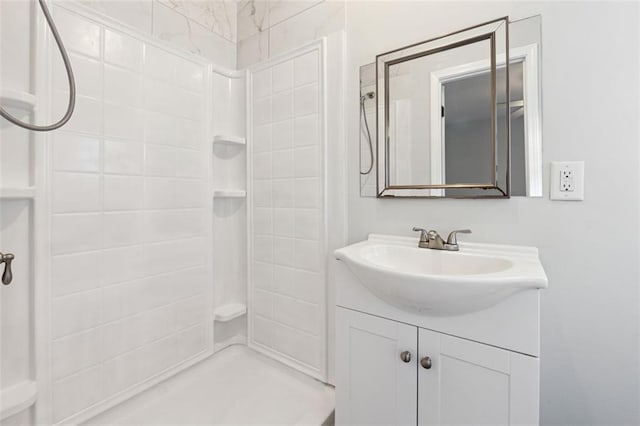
<point x="236" y="386"/>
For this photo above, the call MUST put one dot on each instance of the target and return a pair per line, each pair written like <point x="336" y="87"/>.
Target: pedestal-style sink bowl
<point x="438" y="282"/>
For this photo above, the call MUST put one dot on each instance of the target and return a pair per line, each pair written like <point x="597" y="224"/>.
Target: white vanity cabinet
<point x="430" y="337"/>
<point x="392" y="373"/>
<point x="473" y="383"/>
<point x="375" y="385"/>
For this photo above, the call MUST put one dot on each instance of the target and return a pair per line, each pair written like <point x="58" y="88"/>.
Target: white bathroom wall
<point x="288" y="210"/>
<point x="202" y="27"/>
<point x="130" y="217"/>
<point x="590" y="72"/>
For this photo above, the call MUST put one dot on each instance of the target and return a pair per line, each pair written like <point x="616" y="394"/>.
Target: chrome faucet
<point x="7" y="275"/>
<point x="432" y="240"/>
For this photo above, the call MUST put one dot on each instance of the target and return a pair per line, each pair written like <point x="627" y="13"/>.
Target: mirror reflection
<point x="421" y="92"/>
<point x="455" y="146"/>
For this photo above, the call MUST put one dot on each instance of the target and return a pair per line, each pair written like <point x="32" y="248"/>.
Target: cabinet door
<point x="374" y="385"/>
<point x="470" y="383"/>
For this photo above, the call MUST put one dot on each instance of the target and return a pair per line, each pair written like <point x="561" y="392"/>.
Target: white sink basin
<point x="438" y="282"/>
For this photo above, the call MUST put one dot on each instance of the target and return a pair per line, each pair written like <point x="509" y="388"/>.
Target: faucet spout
<point x="432" y="240"/>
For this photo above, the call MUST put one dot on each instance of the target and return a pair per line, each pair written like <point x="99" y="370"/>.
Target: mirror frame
<point x="425" y="48"/>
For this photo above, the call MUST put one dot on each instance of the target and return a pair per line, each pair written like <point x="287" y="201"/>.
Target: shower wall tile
<point x="306" y="69"/>
<point x="307" y="193"/>
<point x="282" y="164"/>
<point x="296" y="314"/>
<point x="262" y="83"/>
<point x="123" y="192"/>
<point x="123" y="122"/>
<point x="85" y="71"/>
<point x="121" y="229"/>
<point x="282" y="106"/>
<point x="307" y="162"/>
<point x="307" y="224"/>
<point x="282" y="135"/>
<point x="77" y="392"/>
<point x="77" y="312"/>
<point x="306" y="130"/>
<point x="76" y="272"/>
<point x="76" y="192"/>
<point x="159" y="161"/>
<point x="122" y="86"/>
<point x="287" y="273"/>
<point x="282" y="76"/>
<point x="73" y="233"/>
<point x="306" y="100"/>
<point x="262" y="111"/>
<point x="123" y="156"/>
<point x="77" y="352"/>
<point x="283" y="222"/>
<point x="75" y="153"/>
<point x="122" y="50"/>
<point x="80" y="35"/>
<point x="87" y="116"/>
<point x="130" y="235"/>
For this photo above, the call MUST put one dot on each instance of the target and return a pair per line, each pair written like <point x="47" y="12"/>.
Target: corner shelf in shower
<point x="23" y="193"/>
<point x="17" y="99"/>
<point x="230" y="311"/>
<point x="229" y="193"/>
<point x="229" y="140"/>
<point x="17" y="397"/>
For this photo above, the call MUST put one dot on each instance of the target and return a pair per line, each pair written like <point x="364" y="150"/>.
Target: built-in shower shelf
<point x="17" y="99"/>
<point x="229" y="140"/>
<point x="230" y="311"/>
<point x="229" y="193"/>
<point x="17" y="397"/>
<point x="24" y="193"/>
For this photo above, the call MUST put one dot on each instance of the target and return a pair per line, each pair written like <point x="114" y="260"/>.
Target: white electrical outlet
<point x="567" y="180"/>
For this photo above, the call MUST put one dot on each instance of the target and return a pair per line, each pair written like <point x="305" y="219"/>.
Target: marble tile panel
<point x="253" y="18"/>
<point x="253" y="50"/>
<point x="217" y="16"/>
<point x="311" y="24"/>
<point x="183" y="33"/>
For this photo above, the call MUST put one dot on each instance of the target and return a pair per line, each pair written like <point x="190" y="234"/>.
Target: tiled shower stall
<point x="183" y="209"/>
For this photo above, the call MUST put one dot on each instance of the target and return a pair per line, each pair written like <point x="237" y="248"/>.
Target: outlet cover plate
<point x="576" y="169"/>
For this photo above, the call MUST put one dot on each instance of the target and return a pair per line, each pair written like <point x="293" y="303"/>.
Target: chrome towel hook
<point x="7" y="275"/>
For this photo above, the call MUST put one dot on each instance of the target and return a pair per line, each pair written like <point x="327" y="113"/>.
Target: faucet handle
<point x="423" y="234"/>
<point x="452" y="240"/>
<point x="7" y="275"/>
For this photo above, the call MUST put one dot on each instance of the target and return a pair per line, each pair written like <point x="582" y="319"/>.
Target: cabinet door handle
<point x="425" y="363"/>
<point x="405" y="356"/>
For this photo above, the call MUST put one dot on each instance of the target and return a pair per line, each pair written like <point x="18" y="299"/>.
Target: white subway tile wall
<point x="287" y="210"/>
<point x="130" y="282"/>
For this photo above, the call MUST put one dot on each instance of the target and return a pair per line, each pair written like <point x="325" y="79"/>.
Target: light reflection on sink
<point x="438" y="282"/>
<point x="431" y="262"/>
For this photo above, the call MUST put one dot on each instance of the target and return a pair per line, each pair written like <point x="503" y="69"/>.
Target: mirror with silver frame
<point x="454" y="153"/>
